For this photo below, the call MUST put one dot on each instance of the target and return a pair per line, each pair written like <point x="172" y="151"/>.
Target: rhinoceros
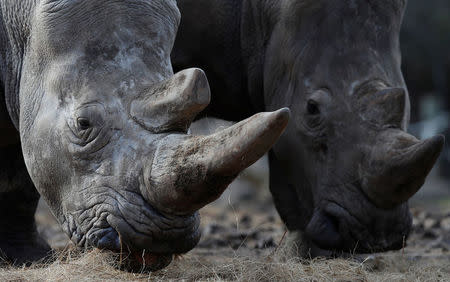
<point x="343" y="171"/>
<point x="94" y="121"/>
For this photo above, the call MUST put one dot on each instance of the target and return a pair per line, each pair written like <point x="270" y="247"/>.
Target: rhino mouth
<point x="335" y="230"/>
<point x="144" y="238"/>
<point x="147" y="252"/>
<point x="135" y="260"/>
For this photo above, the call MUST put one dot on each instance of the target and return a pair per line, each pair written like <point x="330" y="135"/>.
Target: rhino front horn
<point x="188" y="172"/>
<point x="398" y="166"/>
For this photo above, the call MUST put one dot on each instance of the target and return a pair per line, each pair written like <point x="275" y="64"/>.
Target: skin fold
<point x="102" y="126"/>
<point x="342" y="172"/>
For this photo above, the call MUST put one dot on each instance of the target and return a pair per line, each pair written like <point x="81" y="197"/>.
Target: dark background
<point x="425" y="42"/>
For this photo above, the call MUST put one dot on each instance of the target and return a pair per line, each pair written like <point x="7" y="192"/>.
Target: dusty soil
<point x="241" y="241"/>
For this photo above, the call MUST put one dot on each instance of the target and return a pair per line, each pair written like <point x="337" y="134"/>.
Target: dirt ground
<point x="241" y="237"/>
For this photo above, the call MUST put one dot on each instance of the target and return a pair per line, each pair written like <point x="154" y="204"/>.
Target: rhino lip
<point x="349" y="241"/>
<point x="136" y="251"/>
<point x="328" y="237"/>
<point x="323" y="230"/>
<point x="135" y="260"/>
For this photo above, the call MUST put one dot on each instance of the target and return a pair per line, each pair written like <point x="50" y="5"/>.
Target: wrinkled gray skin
<point x="102" y="125"/>
<point x="344" y="169"/>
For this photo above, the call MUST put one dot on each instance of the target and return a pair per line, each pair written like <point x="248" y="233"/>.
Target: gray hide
<point x="102" y="124"/>
<point x="344" y="169"/>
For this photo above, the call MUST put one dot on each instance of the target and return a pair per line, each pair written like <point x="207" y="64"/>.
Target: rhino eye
<point x="312" y="108"/>
<point x="83" y="123"/>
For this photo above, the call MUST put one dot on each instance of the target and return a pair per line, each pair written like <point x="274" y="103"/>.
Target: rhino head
<point x="104" y="121"/>
<point x="336" y="64"/>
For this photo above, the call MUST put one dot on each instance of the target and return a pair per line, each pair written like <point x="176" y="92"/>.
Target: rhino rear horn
<point x="386" y="107"/>
<point x="188" y="172"/>
<point x="173" y="104"/>
<point x="398" y="167"/>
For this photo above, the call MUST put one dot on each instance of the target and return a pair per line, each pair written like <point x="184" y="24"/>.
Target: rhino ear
<point x="173" y="104"/>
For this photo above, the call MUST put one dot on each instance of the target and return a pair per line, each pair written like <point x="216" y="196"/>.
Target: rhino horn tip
<point x="279" y="118"/>
<point x="284" y="113"/>
<point x="199" y="85"/>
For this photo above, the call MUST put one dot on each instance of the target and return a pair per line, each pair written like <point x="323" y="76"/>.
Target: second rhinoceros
<point x="102" y="125"/>
<point x="345" y="167"/>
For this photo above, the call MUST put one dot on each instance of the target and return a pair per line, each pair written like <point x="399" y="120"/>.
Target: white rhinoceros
<point x="93" y="118"/>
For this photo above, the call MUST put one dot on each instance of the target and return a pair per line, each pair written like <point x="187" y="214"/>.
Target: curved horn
<point x="173" y="104"/>
<point x="398" y="166"/>
<point x="188" y="172"/>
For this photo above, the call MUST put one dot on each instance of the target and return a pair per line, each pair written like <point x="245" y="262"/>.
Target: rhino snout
<point x="323" y="230"/>
<point x="337" y="228"/>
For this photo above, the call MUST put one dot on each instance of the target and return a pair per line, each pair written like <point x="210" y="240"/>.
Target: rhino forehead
<point x="122" y="53"/>
<point x="341" y="27"/>
<point x="120" y="69"/>
<point x="309" y="5"/>
<point x="61" y="24"/>
<point x="58" y="11"/>
<point x="369" y="11"/>
<point x="342" y="42"/>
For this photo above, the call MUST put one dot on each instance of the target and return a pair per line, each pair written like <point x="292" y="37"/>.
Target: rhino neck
<point x="209" y="37"/>
<point x="15" y="22"/>
<point x="258" y="19"/>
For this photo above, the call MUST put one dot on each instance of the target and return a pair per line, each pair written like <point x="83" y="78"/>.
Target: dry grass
<point x="100" y="266"/>
<point x="210" y="262"/>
